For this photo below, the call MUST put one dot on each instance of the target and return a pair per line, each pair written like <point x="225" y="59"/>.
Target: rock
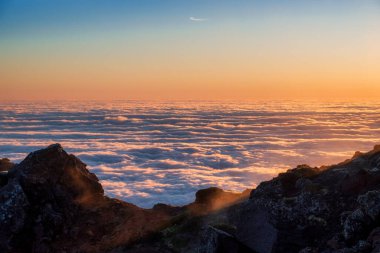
<point x="346" y="250"/>
<point x="309" y="250"/>
<point x="14" y="206"/>
<point x="5" y="164"/>
<point x="370" y="203"/>
<point x="217" y="241"/>
<point x="302" y="208"/>
<point x="53" y="203"/>
<point x="289" y="179"/>
<point x="355" y="224"/>
<point x="362" y="247"/>
<point x="335" y="243"/>
<point x="213" y="199"/>
<point x="50" y="202"/>
<point x="51" y="175"/>
<point x="167" y="209"/>
<point x="374" y="238"/>
<point x="3" y="178"/>
<point x="254" y="229"/>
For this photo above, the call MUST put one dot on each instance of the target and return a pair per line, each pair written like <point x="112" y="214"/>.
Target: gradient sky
<point x="198" y="49"/>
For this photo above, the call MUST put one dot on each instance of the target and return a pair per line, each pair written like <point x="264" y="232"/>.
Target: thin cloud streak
<point x="198" y="19"/>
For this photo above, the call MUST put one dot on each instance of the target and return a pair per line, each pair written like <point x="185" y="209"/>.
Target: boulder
<point x="5" y="164"/>
<point x="52" y="203"/>
<point x="301" y="209"/>
<point x="370" y="203"/>
<point x="214" y="240"/>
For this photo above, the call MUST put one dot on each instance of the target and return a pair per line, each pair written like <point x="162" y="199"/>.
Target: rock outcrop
<point x="331" y="209"/>
<point x="50" y="202"/>
<point x="327" y="209"/>
<point x="5" y="166"/>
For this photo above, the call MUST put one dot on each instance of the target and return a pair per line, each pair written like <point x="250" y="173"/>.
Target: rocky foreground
<point x="50" y="202"/>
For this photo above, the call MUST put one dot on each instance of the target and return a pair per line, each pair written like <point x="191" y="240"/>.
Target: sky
<point x="198" y="49"/>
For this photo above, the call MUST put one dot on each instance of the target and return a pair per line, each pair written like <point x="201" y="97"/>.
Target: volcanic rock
<point x="52" y="203"/>
<point x="327" y="209"/>
<point x="5" y="164"/>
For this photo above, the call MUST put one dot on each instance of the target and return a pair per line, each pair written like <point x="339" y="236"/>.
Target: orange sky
<point x="302" y="52"/>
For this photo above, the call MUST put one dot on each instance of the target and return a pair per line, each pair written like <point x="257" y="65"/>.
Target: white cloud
<point x="116" y="118"/>
<point x="198" y="19"/>
<point x="146" y="153"/>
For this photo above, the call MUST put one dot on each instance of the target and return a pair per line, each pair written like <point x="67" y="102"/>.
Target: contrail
<point x="198" y="19"/>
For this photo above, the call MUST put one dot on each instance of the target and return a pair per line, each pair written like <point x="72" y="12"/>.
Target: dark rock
<point x="217" y="241"/>
<point x="370" y="203"/>
<point x="3" y="178"/>
<point x="309" y="250"/>
<point x="335" y="243"/>
<point x="362" y="247"/>
<point x="52" y="203"/>
<point x="355" y="224"/>
<point x="346" y="250"/>
<point x="14" y="207"/>
<point x="302" y="208"/>
<point x="167" y="209"/>
<point x="257" y="232"/>
<point x="213" y="199"/>
<point x="374" y="238"/>
<point x="52" y="176"/>
<point x="330" y="209"/>
<point x="5" y="164"/>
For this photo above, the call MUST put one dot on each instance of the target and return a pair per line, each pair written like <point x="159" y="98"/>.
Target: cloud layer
<point x="163" y="152"/>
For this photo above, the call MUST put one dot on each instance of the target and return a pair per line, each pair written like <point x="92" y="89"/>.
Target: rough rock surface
<point x="331" y="209"/>
<point x="50" y="202"/>
<point x="327" y="209"/>
<point x="5" y="164"/>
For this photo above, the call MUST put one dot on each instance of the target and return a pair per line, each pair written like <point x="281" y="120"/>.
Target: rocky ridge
<point x="50" y="202"/>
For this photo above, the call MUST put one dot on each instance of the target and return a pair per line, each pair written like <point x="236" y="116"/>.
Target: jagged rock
<point x="370" y="203"/>
<point x="5" y="166"/>
<point x="257" y="232"/>
<point x="355" y="224"/>
<point x="3" y="178"/>
<point x="362" y="247"/>
<point x="302" y="207"/>
<point x="14" y="206"/>
<point x="346" y="250"/>
<point x="335" y="243"/>
<point x="309" y="250"/>
<point x="213" y="198"/>
<point x="52" y="203"/>
<point x="374" y="239"/>
<point x="214" y="240"/>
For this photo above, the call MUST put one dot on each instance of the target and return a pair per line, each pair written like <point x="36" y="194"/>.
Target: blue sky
<point x="23" y="16"/>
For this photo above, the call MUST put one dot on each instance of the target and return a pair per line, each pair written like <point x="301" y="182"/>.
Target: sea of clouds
<point x="147" y="153"/>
